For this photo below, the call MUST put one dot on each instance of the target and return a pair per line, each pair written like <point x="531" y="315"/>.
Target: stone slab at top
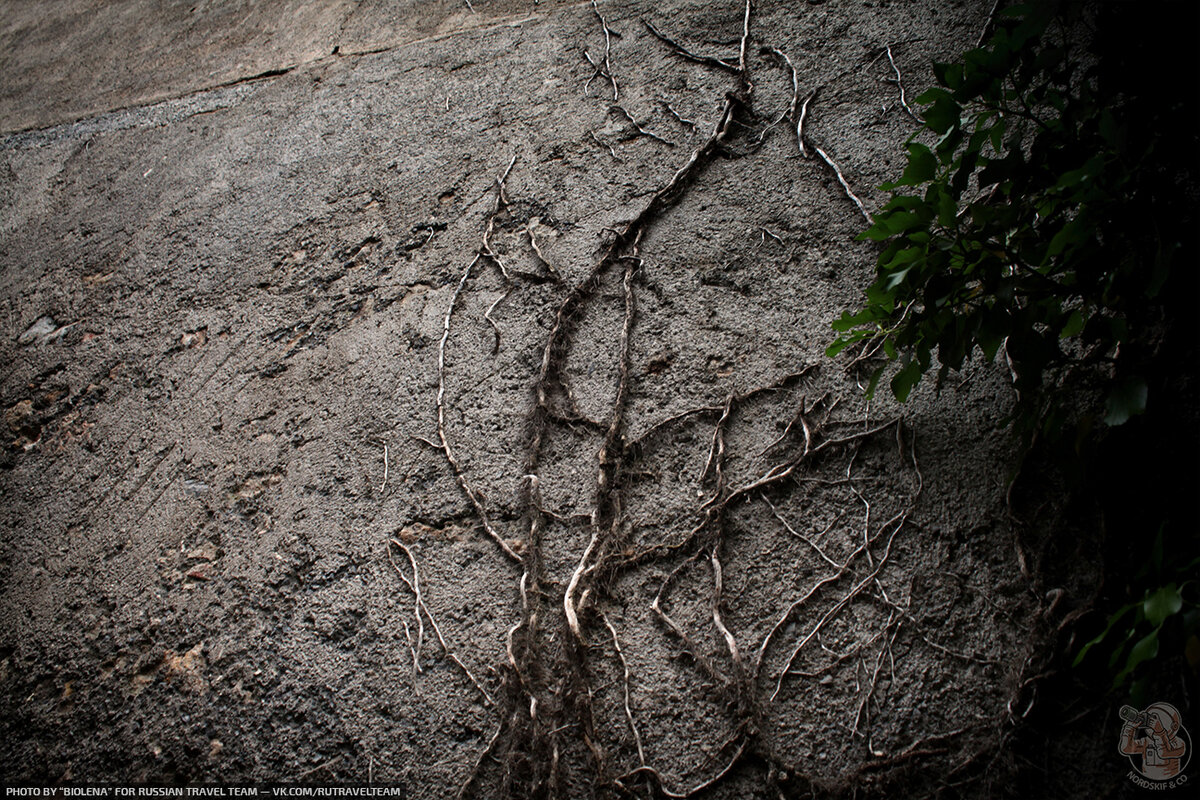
<point x="65" y="60"/>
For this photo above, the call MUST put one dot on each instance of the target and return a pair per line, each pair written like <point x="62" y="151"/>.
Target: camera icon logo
<point x="1157" y="744"/>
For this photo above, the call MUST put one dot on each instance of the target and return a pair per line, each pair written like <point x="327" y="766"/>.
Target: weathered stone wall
<point x="235" y="308"/>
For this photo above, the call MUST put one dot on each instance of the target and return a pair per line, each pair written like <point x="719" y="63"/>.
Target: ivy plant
<point x="1014" y="230"/>
<point x="1042" y="218"/>
<point x="1167" y="612"/>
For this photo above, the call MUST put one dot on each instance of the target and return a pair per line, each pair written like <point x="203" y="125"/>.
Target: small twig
<point x="512" y="631"/>
<point x="838" y="658"/>
<point x="680" y="633"/>
<point x="900" y="85"/>
<point x="623" y="246"/>
<point x="800" y="121"/>
<point x="898" y="521"/>
<point x="603" y="511"/>
<point x="603" y="143"/>
<point x="418" y="603"/>
<point x="866" y="505"/>
<point x="880" y="52"/>
<point x="837" y="607"/>
<point x="842" y="180"/>
<point x="671" y="420"/>
<point x="716" y="450"/>
<point x="799" y="417"/>
<point x="772" y="234"/>
<point x="604" y="68"/>
<point x="684" y="53"/>
<point x="487" y="315"/>
<point x="597" y="71"/>
<point x="781" y="472"/>
<point x="779" y="385"/>
<point x="957" y="654"/>
<point x="459" y="475"/>
<point x="662" y="786"/>
<point x="801" y="536"/>
<point x="685" y="122"/>
<point x="425" y="442"/>
<point x="413" y="587"/>
<point x="537" y="251"/>
<point x="796" y="604"/>
<point x="743" y="70"/>
<point x="991" y="22"/>
<point x="637" y="126"/>
<point x="791" y="112"/>
<point x="569" y="608"/>
<point x="485" y="245"/>
<point x="324" y="766"/>
<point x="383" y="485"/>
<point x="487" y="751"/>
<point x="919" y="748"/>
<point x="637" y="737"/>
<point x="863" y="705"/>
<point x="730" y="642"/>
<point x="416" y="662"/>
<point x="873" y="343"/>
<point x="486" y="251"/>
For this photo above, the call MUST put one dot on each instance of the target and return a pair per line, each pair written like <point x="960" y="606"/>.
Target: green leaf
<point x="1119" y="650"/>
<point x="899" y="221"/>
<point x="948" y="144"/>
<point x="997" y="134"/>
<point x="1072" y="326"/>
<point x="896" y="278"/>
<point x="944" y="114"/>
<point x="907" y="202"/>
<point x="922" y="165"/>
<point x="1071" y="234"/>
<point x="899" y="258"/>
<point x="882" y="303"/>
<point x="1019" y="10"/>
<point x="904" y="380"/>
<point x="947" y="211"/>
<point x="1125" y="400"/>
<point x="845" y="340"/>
<point x="838" y="346"/>
<point x="933" y="95"/>
<point x="848" y="320"/>
<point x="1112" y="621"/>
<point x="1144" y="650"/>
<point x="874" y="382"/>
<point x="876" y="233"/>
<point x="948" y="75"/>
<point x="1162" y="604"/>
<point x="1109" y="131"/>
<point x="1085" y="173"/>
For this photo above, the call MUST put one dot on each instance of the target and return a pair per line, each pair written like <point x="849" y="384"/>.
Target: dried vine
<point x="548" y="718"/>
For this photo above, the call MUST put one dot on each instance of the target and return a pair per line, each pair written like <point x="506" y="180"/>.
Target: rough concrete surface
<point x="234" y="307"/>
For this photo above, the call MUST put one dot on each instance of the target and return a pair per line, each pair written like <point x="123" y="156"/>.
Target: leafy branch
<point x="1044" y="215"/>
<point x="1010" y="230"/>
